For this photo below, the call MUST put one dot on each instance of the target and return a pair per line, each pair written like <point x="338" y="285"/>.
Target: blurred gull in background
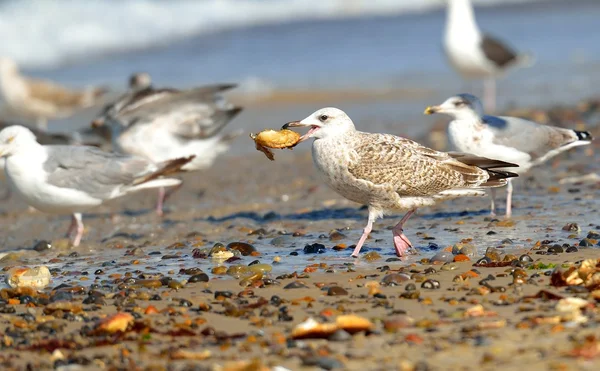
<point x="475" y="55"/>
<point x="41" y="100"/>
<point x="162" y="124"/>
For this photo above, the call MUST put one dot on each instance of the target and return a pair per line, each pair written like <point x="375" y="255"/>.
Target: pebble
<point x="394" y="279"/>
<point x="525" y="258"/>
<point x="315" y="248"/>
<point x="556" y="249"/>
<point x="572" y="249"/>
<point x="244" y="248"/>
<point x="336" y="236"/>
<point x="593" y="235"/>
<point x="448" y="267"/>
<point x="465" y="249"/>
<point x="431" y="284"/>
<point x="443" y="257"/>
<point x="295" y="285"/>
<point x="38" y="277"/>
<point x="325" y="363"/>
<point x="336" y="291"/>
<point x="340" y="335"/>
<point x="571" y="227"/>
<point x="283" y="241"/>
<point x="201" y="277"/>
<point x="371" y="256"/>
<point x="586" y="243"/>
<point x="42" y="246"/>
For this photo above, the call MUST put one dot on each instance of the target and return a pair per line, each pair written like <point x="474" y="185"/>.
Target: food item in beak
<point x="275" y="139"/>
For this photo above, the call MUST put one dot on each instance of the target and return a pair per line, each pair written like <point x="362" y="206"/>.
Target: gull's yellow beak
<point x="431" y="110"/>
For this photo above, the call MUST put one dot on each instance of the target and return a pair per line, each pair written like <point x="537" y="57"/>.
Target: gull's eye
<point x="323" y="118"/>
<point x="10" y="139"/>
<point x="460" y="103"/>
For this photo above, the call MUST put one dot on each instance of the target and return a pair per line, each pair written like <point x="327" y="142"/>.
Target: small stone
<point x="410" y="287"/>
<point x="526" y="258"/>
<point x="556" y="249"/>
<point x="571" y="227"/>
<point x="244" y="248"/>
<point x="394" y="279"/>
<point x="38" y="277"/>
<point x="315" y="248"/>
<point x="42" y="246"/>
<point x="325" y="363"/>
<point x="282" y="241"/>
<point x="586" y="243"/>
<point x="593" y="235"/>
<point x="223" y="294"/>
<point x="442" y="257"/>
<point x="201" y="277"/>
<point x="295" y="285"/>
<point x="336" y="291"/>
<point x="448" y="267"/>
<point x="336" y="236"/>
<point x="371" y="256"/>
<point x="396" y="323"/>
<point x="340" y="335"/>
<point x="572" y="249"/>
<point x="431" y="284"/>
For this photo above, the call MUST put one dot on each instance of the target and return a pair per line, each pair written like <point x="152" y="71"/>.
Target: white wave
<point x="40" y="33"/>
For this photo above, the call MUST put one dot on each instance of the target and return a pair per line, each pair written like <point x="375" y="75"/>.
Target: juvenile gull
<point x="160" y="124"/>
<point x="389" y="173"/>
<point x="510" y="139"/>
<point x="475" y="55"/>
<point x="73" y="179"/>
<point x="41" y="100"/>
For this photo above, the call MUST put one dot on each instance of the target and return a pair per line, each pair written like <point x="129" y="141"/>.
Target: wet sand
<point x="138" y="263"/>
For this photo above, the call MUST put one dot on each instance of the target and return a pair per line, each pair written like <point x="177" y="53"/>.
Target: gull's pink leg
<point x="401" y="242"/>
<point x="364" y="236"/>
<point x="163" y="195"/>
<point x="72" y="227"/>
<point x="509" y="192"/>
<point x="161" y="201"/>
<point x="79" y="226"/>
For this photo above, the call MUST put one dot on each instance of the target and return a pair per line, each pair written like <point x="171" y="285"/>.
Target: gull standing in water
<point x="475" y="55"/>
<point x="389" y="173"/>
<point x="41" y="100"/>
<point x="73" y="179"/>
<point x="160" y="124"/>
<point x="510" y="139"/>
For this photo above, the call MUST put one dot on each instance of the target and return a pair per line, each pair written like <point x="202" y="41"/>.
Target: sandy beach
<point x="240" y="314"/>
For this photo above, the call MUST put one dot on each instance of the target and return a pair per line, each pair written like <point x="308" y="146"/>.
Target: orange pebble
<point x="461" y="258"/>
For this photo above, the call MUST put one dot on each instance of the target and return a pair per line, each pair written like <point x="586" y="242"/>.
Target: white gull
<point x="73" y="179"/>
<point x="510" y="139"/>
<point x="475" y="55"/>
<point x="391" y="174"/>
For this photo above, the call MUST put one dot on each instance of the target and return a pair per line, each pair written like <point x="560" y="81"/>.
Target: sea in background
<point x="379" y="60"/>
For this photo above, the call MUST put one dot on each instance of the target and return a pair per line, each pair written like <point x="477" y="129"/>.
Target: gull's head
<point x="461" y="106"/>
<point x="14" y="138"/>
<point x="326" y="122"/>
<point x="140" y="81"/>
<point x="8" y="66"/>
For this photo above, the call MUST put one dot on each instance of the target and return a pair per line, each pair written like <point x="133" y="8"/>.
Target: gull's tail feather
<point x="166" y="168"/>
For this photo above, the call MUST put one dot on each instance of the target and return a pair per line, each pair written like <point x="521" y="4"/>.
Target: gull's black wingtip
<point x="584" y="135"/>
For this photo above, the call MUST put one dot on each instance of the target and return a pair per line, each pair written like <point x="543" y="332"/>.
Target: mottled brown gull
<point x="511" y="139"/>
<point x="389" y="173"/>
<point x="73" y="179"/>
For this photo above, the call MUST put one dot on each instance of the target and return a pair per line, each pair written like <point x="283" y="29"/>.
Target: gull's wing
<point x="95" y="172"/>
<point x="413" y="170"/>
<point x="529" y="137"/>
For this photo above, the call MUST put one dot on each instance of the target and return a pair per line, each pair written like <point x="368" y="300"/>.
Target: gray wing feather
<point x="527" y="136"/>
<point x="91" y="170"/>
